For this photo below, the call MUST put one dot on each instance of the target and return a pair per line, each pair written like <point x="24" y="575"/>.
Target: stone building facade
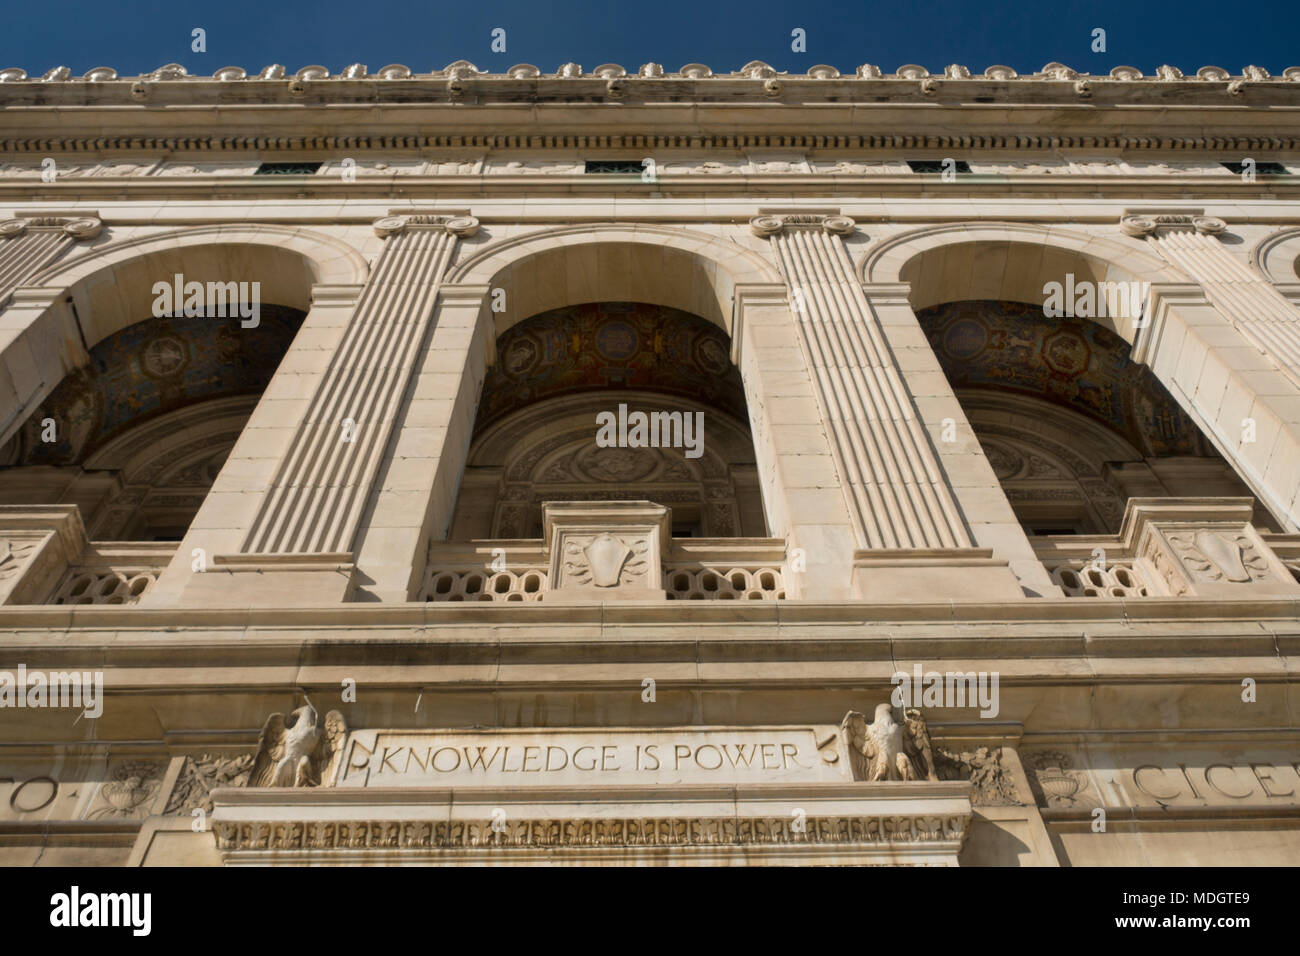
<point x="401" y="449"/>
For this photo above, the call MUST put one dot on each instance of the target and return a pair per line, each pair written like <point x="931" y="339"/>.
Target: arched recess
<point x="608" y="262"/>
<point x="1071" y="426"/>
<point x="546" y="452"/>
<point x="136" y="435"/>
<point x="708" y="275"/>
<point x="165" y="468"/>
<point x="111" y="285"/>
<point x="536" y="435"/>
<point x="1008" y="261"/>
<point x="78" y="302"/>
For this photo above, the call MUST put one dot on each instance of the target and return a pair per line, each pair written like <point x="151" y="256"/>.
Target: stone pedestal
<point x="927" y="574"/>
<point x="606" y="551"/>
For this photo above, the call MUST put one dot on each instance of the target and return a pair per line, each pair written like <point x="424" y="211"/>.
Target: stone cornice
<point x="461" y="74"/>
<point x="756" y="107"/>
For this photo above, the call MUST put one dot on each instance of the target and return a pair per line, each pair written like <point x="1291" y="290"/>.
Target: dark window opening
<point x="1263" y="169"/>
<point x="614" y="166"/>
<point x="937" y="165"/>
<point x="287" y="169"/>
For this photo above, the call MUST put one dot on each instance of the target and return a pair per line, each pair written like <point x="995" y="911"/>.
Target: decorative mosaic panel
<point x="153" y="367"/>
<point x="1077" y="363"/>
<point x="612" y="347"/>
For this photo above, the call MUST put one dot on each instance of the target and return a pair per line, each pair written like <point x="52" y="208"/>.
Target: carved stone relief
<point x="201" y="775"/>
<point x="1052" y="780"/>
<point x="1214" y="556"/>
<point x="299" y="750"/>
<point x="886" y="749"/>
<point x="992" y="783"/>
<point x="129" y="792"/>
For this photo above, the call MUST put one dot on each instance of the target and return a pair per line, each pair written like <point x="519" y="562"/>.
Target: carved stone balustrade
<point x="1176" y="547"/>
<point x="46" y="559"/>
<point x="602" y="551"/>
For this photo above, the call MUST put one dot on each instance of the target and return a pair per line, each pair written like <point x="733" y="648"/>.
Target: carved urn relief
<point x="1207" y="547"/>
<point x="606" y="550"/>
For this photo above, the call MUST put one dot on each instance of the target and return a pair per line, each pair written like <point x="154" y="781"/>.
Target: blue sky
<point x="138" y="35"/>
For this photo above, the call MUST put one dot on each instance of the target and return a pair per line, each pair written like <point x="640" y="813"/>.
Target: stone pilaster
<point x="796" y="466"/>
<point x="315" y="502"/>
<point x="906" y="521"/>
<point x="1236" y="370"/>
<point x="28" y="245"/>
<point x="988" y="514"/>
<point x="1259" y="311"/>
<point x="283" y="515"/>
<point x="414" y="498"/>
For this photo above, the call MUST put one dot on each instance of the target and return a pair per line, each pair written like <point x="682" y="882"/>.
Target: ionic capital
<point x="460" y="226"/>
<point x="78" y="227"/>
<point x="771" y="225"/>
<point x="1140" y="226"/>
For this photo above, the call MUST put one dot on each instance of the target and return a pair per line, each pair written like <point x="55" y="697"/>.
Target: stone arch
<point x="546" y="452"/>
<point x="110" y="283"/>
<point x="1278" y="256"/>
<point x="1007" y="261"/>
<point x="681" y="268"/>
<point x="72" y="305"/>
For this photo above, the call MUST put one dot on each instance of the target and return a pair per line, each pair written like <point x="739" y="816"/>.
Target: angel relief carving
<point x="297" y="751"/>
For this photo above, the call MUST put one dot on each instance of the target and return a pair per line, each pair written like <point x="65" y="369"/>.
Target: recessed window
<point x="937" y="165"/>
<point x="1262" y="169"/>
<point x="614" y="166"/>
<point x="287" y="169"/>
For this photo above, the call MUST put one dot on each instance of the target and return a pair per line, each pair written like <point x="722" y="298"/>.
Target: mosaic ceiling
<point x="611" y="346"/>
<point x="1012" y="346"/>
<point x="153" y="367"/>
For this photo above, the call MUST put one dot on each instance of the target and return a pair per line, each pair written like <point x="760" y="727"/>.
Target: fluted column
<point x="1228" y="347"/>
<point x="1251" y="303"/>
<point x="904" y="514"/>
<point x="281" y="523"/>
<point x="315" y="503"/>
<point x="28" y="245"/>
